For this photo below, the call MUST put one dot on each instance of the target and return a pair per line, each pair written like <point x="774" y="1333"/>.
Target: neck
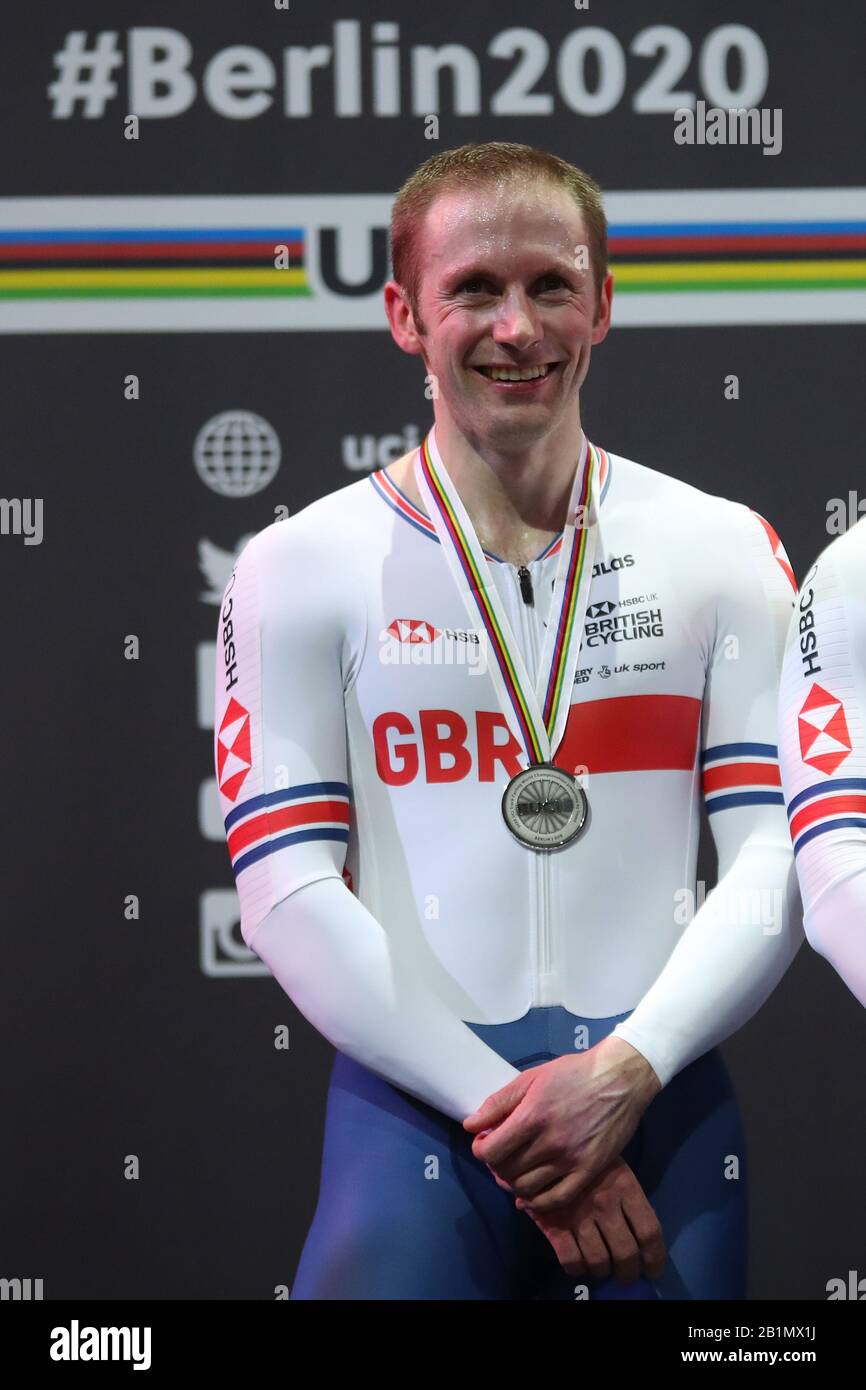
<point x="517" y="501"/>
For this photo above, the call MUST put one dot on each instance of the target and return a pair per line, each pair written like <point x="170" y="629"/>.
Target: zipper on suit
<point x="542" y="993"/>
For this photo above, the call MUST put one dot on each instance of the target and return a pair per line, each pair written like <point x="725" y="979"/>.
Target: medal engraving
<point x="544" y="807"/>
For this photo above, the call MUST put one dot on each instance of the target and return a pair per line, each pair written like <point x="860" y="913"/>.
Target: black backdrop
<point x="153" y="1035"/>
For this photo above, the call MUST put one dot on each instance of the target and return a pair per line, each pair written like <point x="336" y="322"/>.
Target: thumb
<point x="497" y="1107"/>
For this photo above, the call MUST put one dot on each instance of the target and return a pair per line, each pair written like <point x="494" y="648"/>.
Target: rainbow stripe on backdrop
<point x="647" y="258"/>
<point x="51" y="263"/>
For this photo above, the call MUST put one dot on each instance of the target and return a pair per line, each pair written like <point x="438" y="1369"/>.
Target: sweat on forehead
<point x="500" y="199"/>
<point x="505" y="218"/>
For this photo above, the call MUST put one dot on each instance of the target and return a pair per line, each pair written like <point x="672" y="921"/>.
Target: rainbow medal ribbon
<point x="544" y="806"/>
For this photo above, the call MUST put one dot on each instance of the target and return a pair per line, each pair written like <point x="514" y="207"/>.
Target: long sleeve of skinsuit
<point x="822" y="747"/>
<point x="290" y="633"/>
<point x="745" y="934"/>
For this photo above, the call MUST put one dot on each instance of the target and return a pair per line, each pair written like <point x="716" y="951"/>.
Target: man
<point x="466" y="857"/>
<point x="822" y="751"/>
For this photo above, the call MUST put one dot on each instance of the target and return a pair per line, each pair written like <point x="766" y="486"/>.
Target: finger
<point x="560" y="1193"/>
<point x="535" y="1152"/>
<point x="497" y="1107"/>
<point x="647" y="1232"/>
<point x="521" y="1159"/>
<point x="566" y="1249"/>
<point x="527" y="1180"/>
<point x="593" y="1249"/>
<point x="625" y="1254"/>
<point x="514" y="1132"/>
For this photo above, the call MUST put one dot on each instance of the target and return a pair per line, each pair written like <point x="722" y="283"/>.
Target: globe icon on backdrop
<point x="236" y="453"/>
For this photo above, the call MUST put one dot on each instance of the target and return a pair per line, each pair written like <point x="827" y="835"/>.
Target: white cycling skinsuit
<point x="353" y="733"/>
<point x="822" y="750"/>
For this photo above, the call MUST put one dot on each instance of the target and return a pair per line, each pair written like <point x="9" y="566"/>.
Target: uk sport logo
<point x="825" y="742"/>
<point x="234" y="758"/>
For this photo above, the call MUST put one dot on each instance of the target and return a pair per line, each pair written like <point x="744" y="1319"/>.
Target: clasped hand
<point x="553" y="1136"/>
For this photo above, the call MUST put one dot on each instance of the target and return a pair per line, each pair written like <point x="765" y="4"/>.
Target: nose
<point x="517" y="322"/>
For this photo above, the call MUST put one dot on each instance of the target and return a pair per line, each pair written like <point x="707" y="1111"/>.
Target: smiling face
<point x="509" y="313"/>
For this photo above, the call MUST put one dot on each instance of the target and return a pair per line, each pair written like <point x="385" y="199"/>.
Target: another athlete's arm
<point x="742" y="939"/>
<point x="284" y="655"/>
<point x="822" y="752"/>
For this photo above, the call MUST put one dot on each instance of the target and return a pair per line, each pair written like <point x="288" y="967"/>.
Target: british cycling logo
<point x="625" y="627"/>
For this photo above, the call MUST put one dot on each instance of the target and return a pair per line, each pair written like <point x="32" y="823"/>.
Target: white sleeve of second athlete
<point x="822" y="746"/>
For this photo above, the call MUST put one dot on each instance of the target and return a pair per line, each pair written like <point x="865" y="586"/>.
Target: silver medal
<point x="544" y="807"/>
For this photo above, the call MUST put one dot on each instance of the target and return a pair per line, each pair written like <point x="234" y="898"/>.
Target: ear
<point x="601" y="327"/>
<point x="401" y="319"/>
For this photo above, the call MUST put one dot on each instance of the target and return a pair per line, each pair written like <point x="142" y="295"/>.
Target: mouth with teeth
<point x="518" y="379"/>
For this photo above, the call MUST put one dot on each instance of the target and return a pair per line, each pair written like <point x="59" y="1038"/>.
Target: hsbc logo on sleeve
<point x="234" y="758"/>
<point x="228" y="631"/>
<point x="825" y="741"/>
<point x="808" y="633"/>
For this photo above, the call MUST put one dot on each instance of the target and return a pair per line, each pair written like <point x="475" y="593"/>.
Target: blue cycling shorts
<point x="405" y="1210"/>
